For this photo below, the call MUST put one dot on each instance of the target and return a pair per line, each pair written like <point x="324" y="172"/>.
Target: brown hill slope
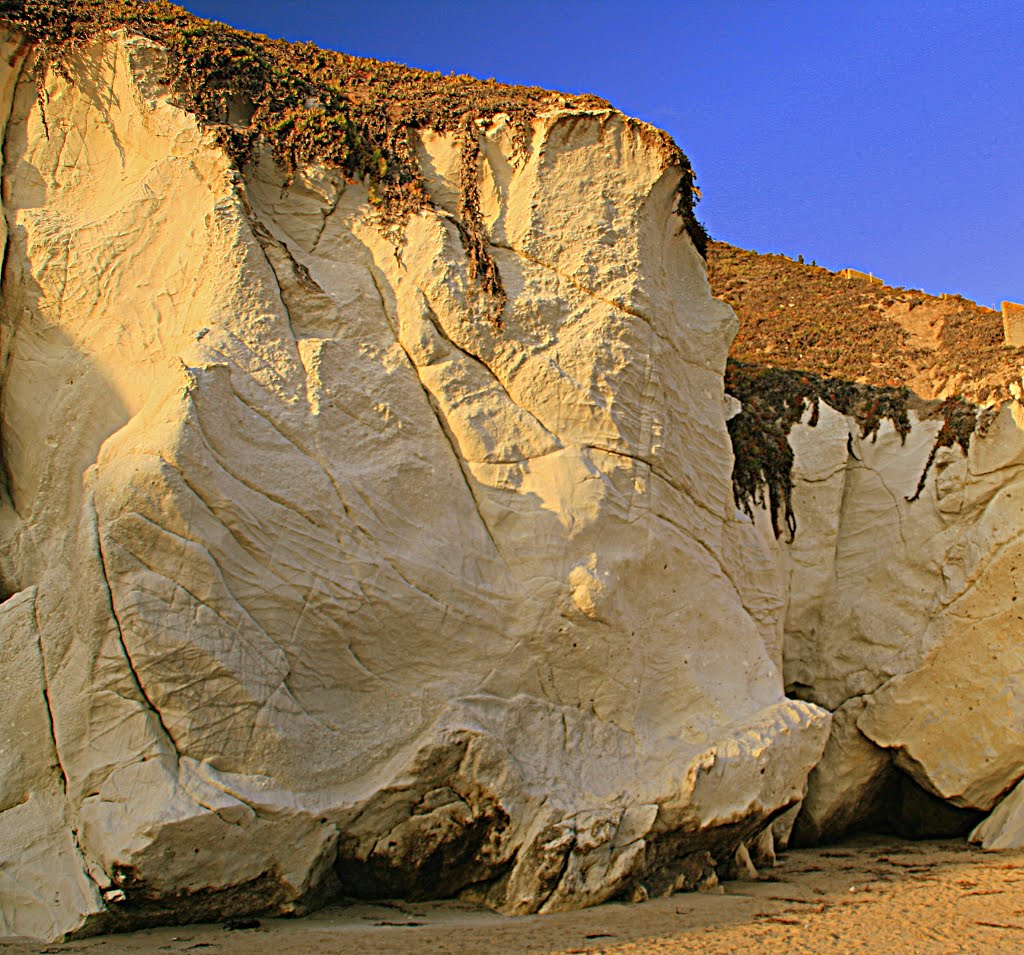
<point x="802" y="317"/>
<point x="870" y="350"/>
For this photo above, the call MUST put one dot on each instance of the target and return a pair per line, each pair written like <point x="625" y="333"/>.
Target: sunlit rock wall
<point x="323" y="579"/>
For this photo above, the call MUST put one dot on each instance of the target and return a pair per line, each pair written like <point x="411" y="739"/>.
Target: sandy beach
<point x="870" y="894"/>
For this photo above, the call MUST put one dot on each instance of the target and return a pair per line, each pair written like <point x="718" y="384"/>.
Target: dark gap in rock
<point x="908" y="810"/>
<point x="898" y="807"/>
<point x="437" y="859"/>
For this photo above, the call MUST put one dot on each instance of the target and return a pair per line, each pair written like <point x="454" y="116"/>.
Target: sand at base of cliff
<point x="865" y="895"/>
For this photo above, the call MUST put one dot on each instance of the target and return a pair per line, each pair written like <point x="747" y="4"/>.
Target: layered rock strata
<point x="323" y="578"/>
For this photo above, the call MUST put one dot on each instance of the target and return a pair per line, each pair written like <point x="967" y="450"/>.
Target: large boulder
<point x="331" y="579"/>
<point x="1004" y="827"/>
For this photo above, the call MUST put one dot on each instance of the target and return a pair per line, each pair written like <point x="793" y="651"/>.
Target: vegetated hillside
<point x="803" y="317"/>
<point x="870" y="350"/>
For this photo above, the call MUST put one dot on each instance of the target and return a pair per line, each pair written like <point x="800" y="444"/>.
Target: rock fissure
<point x="481" y="362"/>
<point x="144" y="697"/>
<point x="618" y="452"/>
<point x="442" y="424"/>
<point x="264" y="240"/>
<point x="483" y="270"/>
<point x="825" y="478"/>
<point x="895" y="500"/>
<point x="559" y="877"/>
<point x="1008" y="470"/>
<point x="327" y="214"/>
<point x="45" y="680"/>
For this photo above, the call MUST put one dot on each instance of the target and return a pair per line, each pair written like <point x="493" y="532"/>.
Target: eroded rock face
<point x="904" y="618"/>
<point x="326" y="580"/>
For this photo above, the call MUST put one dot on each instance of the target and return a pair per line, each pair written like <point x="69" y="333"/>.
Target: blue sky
<point x="886" y="136"/>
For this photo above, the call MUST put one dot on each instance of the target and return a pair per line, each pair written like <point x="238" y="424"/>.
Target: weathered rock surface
<point x="904" y="618"/>
<point x="1004" y="828"/>
<point x="323" y="579"/>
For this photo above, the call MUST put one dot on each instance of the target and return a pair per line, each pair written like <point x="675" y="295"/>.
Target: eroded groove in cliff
<point x="327" y="214"/>
<point x="51" y="725"/>
<point x="442" y="424"/>
<point x="265" y="238"/>
<point x="560" y="875"/>
<point x="44" y="676"/>
<point x="481" y="362"/>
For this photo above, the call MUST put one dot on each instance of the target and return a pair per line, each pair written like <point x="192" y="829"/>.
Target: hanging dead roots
<point x="776" y="399"/>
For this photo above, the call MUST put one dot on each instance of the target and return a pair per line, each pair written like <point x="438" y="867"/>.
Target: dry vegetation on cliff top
<point x="870" y="350"/>
<point x="312" y="105"/>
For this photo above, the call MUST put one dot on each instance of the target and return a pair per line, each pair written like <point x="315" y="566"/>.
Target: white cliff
<point x="325" y="580"/>
<point x="904" y="617"/>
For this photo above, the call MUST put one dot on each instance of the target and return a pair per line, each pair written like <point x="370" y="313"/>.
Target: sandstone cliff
<point x="903" y="618"/>
<point x="901" y="581"/>
<point x="333" y="568"/>
<point x="370" y="522"/>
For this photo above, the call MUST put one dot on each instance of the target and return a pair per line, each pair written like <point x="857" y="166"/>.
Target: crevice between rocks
<point x="559" y="877"/>
<point x="892" y="496"/>
<point x="327" y="213"/>
<point x="86" y="868"/>
<point x="46" y="690"/>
